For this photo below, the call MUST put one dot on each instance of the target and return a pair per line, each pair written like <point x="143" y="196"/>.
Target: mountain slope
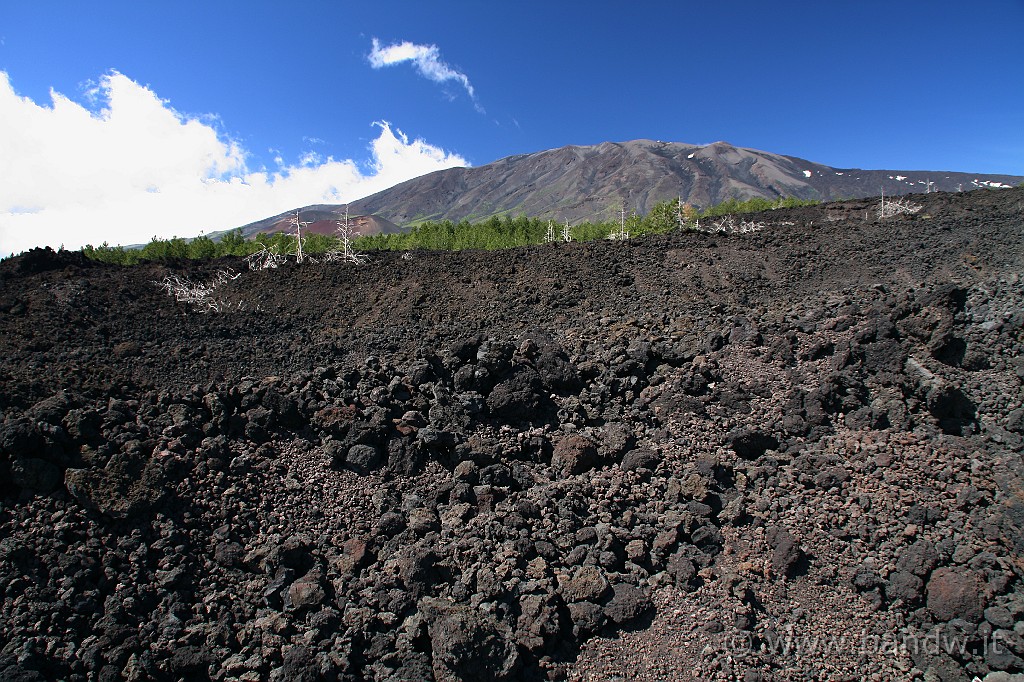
<point x="592" y="182"/>
<point x="320" y="219"/>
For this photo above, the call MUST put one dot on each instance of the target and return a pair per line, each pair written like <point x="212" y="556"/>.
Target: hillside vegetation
<point x="493" y="233"/>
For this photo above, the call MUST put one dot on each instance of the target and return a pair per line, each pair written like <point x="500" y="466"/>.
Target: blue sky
<point x="212" y="114"/>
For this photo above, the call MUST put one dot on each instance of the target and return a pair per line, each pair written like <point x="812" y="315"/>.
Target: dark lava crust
<point x="656" y="459"/>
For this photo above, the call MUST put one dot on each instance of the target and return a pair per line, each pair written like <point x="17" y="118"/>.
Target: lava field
<point x="788" y="453"/>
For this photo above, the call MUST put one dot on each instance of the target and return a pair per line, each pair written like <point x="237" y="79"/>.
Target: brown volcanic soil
<point x="788" y="454"/>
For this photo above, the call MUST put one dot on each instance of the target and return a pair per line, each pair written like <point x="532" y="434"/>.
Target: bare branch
<point x="298" y="225"/>
<point x="622" y="233"/>
<point x="346" y="233"/>
<point x="728" y="225"/>
<point x="891" y="209"/>
<point x="549" y="235"/>
<point x="264" y="259"/>
<point x="200" y="295"/>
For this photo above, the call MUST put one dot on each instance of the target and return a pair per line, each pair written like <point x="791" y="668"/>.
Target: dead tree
<point x="298" y="225"/>
<point x="622" y="233"/>
<point x="264" y="259"/>
<point x="892" y="208"/>
<point x="346" y="233"/>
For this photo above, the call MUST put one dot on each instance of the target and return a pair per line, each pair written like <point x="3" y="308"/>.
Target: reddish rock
<point x="574" y="455"/>
<point x="306" y="592"/>
<point x="956" y="593"/>
<point x="355" y="553"/>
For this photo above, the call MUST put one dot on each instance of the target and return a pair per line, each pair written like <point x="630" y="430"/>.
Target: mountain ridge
<point x="593" y="182"/>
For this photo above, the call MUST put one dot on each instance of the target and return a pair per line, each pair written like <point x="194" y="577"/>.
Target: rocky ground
<point x="788" y="454"/>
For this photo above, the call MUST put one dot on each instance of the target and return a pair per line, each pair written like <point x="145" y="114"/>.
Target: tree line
<point x="496" y="232"/>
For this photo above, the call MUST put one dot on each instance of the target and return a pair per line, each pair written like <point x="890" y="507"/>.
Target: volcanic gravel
<point x="784" y="454"/>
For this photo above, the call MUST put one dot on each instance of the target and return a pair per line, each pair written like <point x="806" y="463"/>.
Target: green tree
<point x="232" y="244"/>
<point x="202" y="248"/>
<point x="664" y="217"/>
<point x="319" y="243"/>
<point x="165" y="249"/>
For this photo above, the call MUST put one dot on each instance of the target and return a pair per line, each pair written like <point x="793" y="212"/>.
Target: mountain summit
<point x="580" y="183"/>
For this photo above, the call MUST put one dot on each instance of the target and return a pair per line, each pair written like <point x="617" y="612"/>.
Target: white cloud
<point x="137" y="168"/>
<point x="426" y="59"/>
